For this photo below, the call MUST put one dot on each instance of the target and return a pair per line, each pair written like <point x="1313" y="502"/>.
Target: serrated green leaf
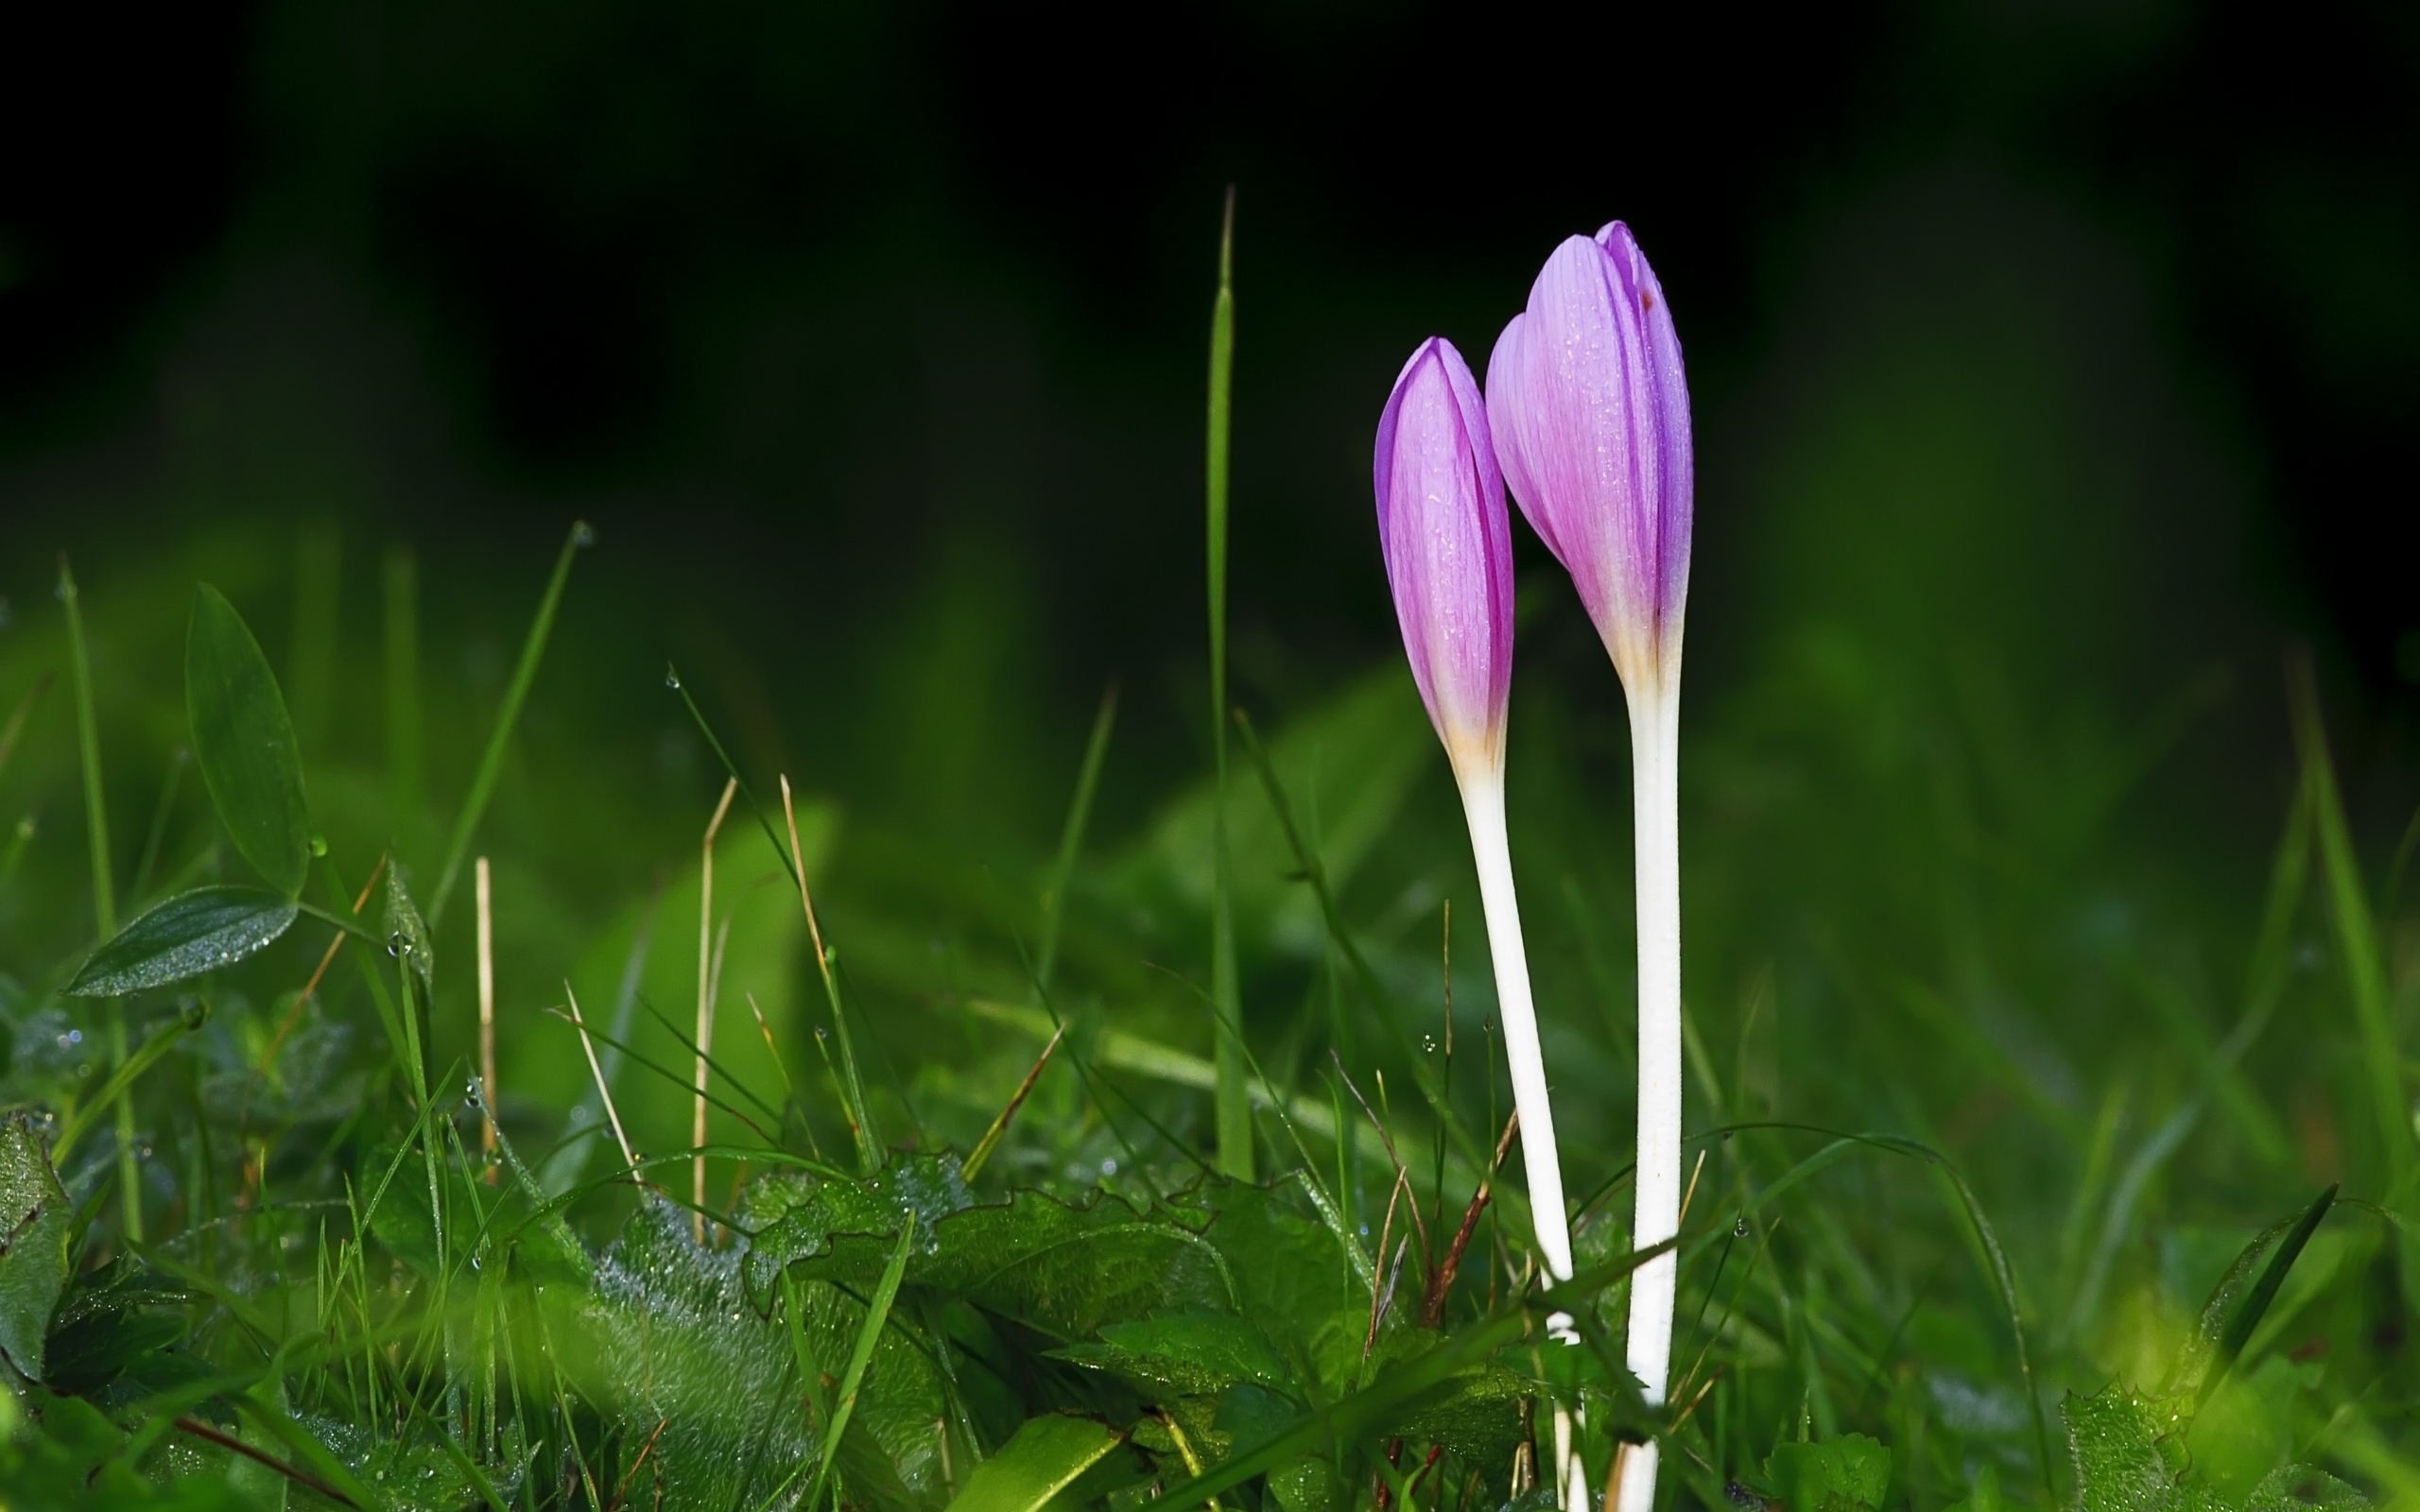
<point x="243" y="743"/>
<point x="1846" y="1474"/>
<point x="184" y="937"/>
<point x="35" y="1219"/>
<point x="1053" y="1461"/>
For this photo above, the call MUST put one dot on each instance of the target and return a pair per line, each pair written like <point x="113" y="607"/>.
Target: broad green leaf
<point x="1061" y="1269"/>
<point x="35" y="1218"/>
<point x="2301" y="1489"/>
<point x="245" y="743"/>
<point x="188" y="934"/>
<point x="1191" y="1354"/>
<point x="663" y="1336"/>
<point x="1053" y="1461"/>
<point x="2129" y="1453"/>
<point x="1306" y="1485"/>
<point x="1840" y="1475"/>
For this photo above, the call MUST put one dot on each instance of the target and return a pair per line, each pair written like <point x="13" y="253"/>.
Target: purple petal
<point x="1590" y="408"/>
<point x="1447" y="543"/>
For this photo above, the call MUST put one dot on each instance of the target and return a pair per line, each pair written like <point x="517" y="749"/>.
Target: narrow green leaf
<point x="861" y="1354"/>
<point x="245" y="743"/>
<point x="1233" y="1100"/>
<point x="1046" y="1460"/>
<point x="184" y="937"/>
<point x="35" y="1220"/>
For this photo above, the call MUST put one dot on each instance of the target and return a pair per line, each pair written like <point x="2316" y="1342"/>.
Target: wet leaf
<point x="35" y="1218"/>
<point x="2129" y="1453"/>
<point x="406" y="935"/>
<point x="1194" y="1354"/>
<point x="243" y="743"/>
<point x="187" y="935"/>
<point x="1063" y="1269"/>
<point x="2301" y="1489"/>
<point x="1053" y="1461"/>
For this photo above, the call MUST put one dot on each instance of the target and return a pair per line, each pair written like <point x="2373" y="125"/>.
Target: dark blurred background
<point x="872" y="336"/>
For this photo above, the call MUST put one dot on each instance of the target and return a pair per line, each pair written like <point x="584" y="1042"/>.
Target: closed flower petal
<point x="1448" y="542"/>
<point x="1590" y="409"/>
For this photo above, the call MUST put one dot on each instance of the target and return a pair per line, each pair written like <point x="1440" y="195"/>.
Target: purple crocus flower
<point x="1449" y="547"/>
<point x="1590" y="409"/>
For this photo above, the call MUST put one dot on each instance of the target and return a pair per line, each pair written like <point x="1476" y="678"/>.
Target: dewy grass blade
<point x="1071" y="838"/>
<point x="533" y="649"/>
<point x="1232" y="1101"/>
<point x="96" y="832"/>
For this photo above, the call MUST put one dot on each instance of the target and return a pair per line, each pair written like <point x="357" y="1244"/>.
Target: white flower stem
<point x="1655" y="728"/>
<point x="1482" y="785"/>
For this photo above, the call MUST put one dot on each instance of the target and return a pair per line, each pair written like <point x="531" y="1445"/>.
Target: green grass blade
<point x="1233" y="1099"/>
<point x="860" y="1356"/>
<point x="2356" y="930"/>
<point x="96" y="832"/>
<point x="1071" y="838"/>
<point x="533" y="649"/>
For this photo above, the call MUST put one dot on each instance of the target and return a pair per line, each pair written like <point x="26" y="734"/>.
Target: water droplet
<point x="1109" y="1166"/>
<point x="673" y="679"/>
<point x="395" y="943"/>
<point x="74" y="1037"/>
<point x="84" y="1070"/>
<point x="1429" y="1043"/>
<point x="471" y="1091"/>
<point x="1740" y="1230"/>
<point x="319" y="845"/>
<point x="583" y="534"/>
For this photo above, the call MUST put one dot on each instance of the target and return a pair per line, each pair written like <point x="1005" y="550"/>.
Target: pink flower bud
<point x="1448" y="546"/>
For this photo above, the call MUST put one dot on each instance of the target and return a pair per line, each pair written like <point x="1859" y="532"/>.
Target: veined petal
<point x="1589" y="404"/>
<point x="1447" y="543"/>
